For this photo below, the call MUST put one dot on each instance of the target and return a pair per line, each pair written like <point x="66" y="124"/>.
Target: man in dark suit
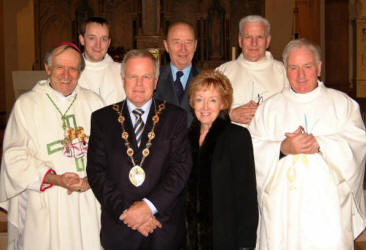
<point x="139" y="162"/>
<point x="175" y="77"/>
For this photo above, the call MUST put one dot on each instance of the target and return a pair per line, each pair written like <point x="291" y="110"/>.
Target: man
<point x="310" y="150"/>
<point x="254" y="75"/>
<point x="138" y="163"/>
<point x="43" y="183"/>
<point x="101" y="74"/>
<point x="175" y="77"/>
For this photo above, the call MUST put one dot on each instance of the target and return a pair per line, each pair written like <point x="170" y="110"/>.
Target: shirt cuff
<point x="281" y="155"/>
<point x="38" y="184"/>
<point x="151" y="206"/>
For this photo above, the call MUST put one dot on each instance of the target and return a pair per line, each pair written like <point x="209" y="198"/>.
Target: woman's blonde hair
<point x="217" y="80"/>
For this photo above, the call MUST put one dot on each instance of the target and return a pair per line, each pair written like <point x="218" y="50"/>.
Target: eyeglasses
<point x="146" y="77"/>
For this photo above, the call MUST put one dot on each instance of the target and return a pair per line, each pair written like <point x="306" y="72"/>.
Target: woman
<point x="222" y="198"/>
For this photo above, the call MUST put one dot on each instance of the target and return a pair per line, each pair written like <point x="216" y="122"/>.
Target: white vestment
<point x="254" y="80"/>
<point x="33" y="144"/>
<point x="310" y="201"/>
<point x="104" y="78"/>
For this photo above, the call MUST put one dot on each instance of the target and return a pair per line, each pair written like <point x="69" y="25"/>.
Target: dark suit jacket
<point x="167" y="169"/>
<point x="223" y="184"/>
<point x="165" y="89"/>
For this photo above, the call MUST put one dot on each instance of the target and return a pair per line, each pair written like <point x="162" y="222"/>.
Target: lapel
<point x="168" y="89"/>
<point x="192" y="74"/>
<point x="185" y="100"/>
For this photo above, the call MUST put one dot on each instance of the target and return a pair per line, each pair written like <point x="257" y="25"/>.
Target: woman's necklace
<point x="137" y="173"/>
<point x="65" y="141"/>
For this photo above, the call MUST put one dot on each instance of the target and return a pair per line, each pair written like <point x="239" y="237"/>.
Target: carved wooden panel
<point x="143" y="23"/>
<point x="238" y="10"/>
<point x="121" y="15"/>
<point x="307" y="14"/>
<point x="53" y="24"/>
<point x="360" y="72"/>
<point x="183" y="10"/>
<point x="216" y="31"/>
<point x="336" y="44"/>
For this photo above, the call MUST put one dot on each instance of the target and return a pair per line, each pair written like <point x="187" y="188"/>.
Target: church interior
<point x="28" y="28"/>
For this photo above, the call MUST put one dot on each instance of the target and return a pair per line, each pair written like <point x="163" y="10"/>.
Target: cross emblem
<point x="54" y="147"/>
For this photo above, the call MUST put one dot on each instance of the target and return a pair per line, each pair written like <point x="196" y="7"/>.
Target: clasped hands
<point x="245" y="113"/>
<point x="138" y="217"/>
<point x="71" y="181"/>
<point x="299" y="142"/>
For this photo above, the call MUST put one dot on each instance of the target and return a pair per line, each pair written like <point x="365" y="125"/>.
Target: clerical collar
<point x="261" y="64"/>
<point x="145" y="108"/>
<point x="263" y="59"/>
<point x="106" y="58"/>
<point x="59" y="95"/>
<point x="184" y="77"/>
<point x="307" y="97"/>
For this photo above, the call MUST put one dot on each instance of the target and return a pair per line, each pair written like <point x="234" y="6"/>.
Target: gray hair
<point x="139" y="53"/>
<point x="49" y="54"/>
<point x="300" y="43"/>
<point x="254" y="19"/>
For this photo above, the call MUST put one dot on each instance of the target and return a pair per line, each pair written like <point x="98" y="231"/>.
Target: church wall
<point x="25" y="36"/>
<point x="19" y="53"/>
<point x="19" y="49"/>
<point x="2" y="79"/>
<point x="279" y="13"/>
<point x="337" y="45"/>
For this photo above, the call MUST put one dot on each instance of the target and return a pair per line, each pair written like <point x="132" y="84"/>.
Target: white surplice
<point x="104" y="78"/>
<point x="254" y="80"/>
<point x="48" y="219"/>
<point x="310" y="201"/>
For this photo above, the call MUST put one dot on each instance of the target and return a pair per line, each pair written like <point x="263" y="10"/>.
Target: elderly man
<point x="310" y="150"/>
<point x="138" y="163"/>
<point x="254" y="75"/>
<point x="43" y="182"/>
<point x="101" y="74"/>
<point x="175" y="77"/>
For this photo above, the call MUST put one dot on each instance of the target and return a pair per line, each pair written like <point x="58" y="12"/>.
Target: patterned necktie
<point x="139" y="125"/>
<point x="178" y="86"/>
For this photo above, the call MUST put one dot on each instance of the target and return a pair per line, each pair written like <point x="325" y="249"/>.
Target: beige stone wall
<point x="19" y="48"/>
<point x="2" y="79"/>
<point x="17" y="53"/>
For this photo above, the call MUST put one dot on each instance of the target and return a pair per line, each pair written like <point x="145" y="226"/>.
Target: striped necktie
<point x="139" y="125"/>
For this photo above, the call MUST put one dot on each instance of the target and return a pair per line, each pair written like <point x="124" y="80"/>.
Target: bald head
<point x="178" y="25"/>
